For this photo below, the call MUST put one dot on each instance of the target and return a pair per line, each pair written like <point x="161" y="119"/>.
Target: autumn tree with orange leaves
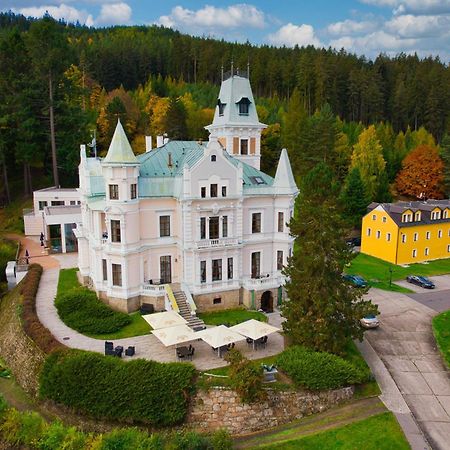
<point x="422" y="174"/>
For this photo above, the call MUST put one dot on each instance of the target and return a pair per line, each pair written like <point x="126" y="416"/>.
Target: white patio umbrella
<point x="219" y="336"/>
<point x="254" y="329"/>
<point x="164" y="319"/>
<point x="174" y="335"/>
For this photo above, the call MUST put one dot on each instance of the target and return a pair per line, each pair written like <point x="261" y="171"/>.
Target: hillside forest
<point x="382" y="125"/>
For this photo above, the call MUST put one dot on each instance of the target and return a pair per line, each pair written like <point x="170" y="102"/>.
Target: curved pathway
<point x="406" y="345"/>
<point x="147" y="346"/>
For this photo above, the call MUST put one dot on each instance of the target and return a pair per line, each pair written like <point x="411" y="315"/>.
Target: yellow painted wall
<point x="398" y="252"/>
<point x="438" y="247"/>
<point x="379" y="247"/>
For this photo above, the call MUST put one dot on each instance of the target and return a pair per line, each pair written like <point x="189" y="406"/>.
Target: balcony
<point x="153" y="290"/>
<point x="221" y="242"/>
<point x="264" y="281"/>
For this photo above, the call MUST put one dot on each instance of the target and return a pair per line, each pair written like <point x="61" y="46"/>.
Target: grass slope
<point x="380" y="432"/>
<point x="376" y="271"/>
<point x="231" y="316"/>
<point x="441" y="329"/>
<point x="138" y="326"/>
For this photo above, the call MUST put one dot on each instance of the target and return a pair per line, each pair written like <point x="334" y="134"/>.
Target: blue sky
<point x="362" y="26"/>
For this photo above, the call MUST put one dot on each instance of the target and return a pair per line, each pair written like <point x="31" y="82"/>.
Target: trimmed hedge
<point x="80" y="309"/>
<point x="29" y="429"/>
<point x="104" y="386"/>
<point x="317" y="370"/>
<point x="31" y="323"/>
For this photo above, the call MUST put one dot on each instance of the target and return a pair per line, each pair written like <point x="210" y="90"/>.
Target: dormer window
<point x="213" y="158"/>
<point x="221" y="107"/>
<point x="407" y="216"/>
<point x="417" y="216"/>
<point x="445" y="214"/>
<point x="436" y="214"/>
<point x="243" y="104"/>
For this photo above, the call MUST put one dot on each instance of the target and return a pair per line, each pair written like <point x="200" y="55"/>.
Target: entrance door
<point x="267" y="301"/>
<point x="165" y="266"/>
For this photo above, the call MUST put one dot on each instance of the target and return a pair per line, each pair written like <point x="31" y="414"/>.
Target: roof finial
<point x="232" y="67"/>
<point x="222" y="73"/>
<point x="248" y="68"/>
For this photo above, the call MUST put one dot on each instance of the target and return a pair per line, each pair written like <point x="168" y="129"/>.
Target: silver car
<point x="370" y="321"/>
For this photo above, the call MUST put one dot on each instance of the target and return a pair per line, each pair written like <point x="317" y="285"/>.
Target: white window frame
<point x="416" y="237"/>
<point x="165" y="213"/>
<point x="388" y="237"/>
<point x="427" y="235"/>
<point x="414" y="253"/>
<point x="427" y="251"/>
<point x="369" y="232"/>
<point x="374" y="217"/>
<point x="403" y="238"/>
<point x="439" y="234"/>
<point x="256" y="211"/>
<point x="378" y="234"/>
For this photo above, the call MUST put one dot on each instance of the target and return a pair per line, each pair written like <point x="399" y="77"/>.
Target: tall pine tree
<point x="354" y="199"/>
<point x="323" y="311"/>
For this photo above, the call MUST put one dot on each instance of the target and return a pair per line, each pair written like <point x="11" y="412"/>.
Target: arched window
<point x="213" y="158"/>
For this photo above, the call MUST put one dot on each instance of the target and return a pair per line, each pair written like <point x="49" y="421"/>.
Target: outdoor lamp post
<point x="390" y="276"/>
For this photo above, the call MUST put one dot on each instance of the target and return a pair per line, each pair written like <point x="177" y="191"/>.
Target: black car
<point x="420" y="281"/>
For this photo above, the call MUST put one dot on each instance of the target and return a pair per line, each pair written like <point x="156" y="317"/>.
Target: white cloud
<point x="211" y="19"/>
<point x="413" y="6"/>
<point x="407" y="26"/>
<point x="110" y="13"/>
<point x="351" y="27"/>
<point x="291" y="35"/>
<point x="63" y="11"/>
<point x="114" y="14"/>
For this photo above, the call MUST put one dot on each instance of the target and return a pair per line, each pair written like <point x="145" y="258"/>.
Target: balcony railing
<point x="270" y="280"/>
<point x="153" y="290"/>
<point x="221" y="242"/>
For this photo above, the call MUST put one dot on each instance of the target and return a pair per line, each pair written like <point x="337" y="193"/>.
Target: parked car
<point x="370" y="321"/>
<point x="356" y="280"/>
<point x="420" y="281"/>
<point x="354" y="242"/>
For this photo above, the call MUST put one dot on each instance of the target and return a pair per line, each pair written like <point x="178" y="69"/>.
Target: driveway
<point x="442" y="283"/>
<point x="406" y="345"/>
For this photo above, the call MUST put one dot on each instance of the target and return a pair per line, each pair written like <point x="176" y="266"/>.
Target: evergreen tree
<point x="323" y="311"/>
<point x="445" y="155"/>
<point x="383" y="192"/>
<point x="175" y="120"/>
<point x="354" y="199"/>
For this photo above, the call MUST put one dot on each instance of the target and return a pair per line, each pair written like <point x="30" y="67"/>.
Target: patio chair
<point x="264" y="341"/>
<point x="118" y="351"/>
<point x="180" y="355"/>
<point x="130" y="351"/>
<point x="191" y="352"/>
<point x="249" y="341"/>
<point x="109" y="349"/>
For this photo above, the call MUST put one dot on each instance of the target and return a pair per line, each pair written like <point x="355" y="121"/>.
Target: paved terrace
<point x="147" y="346"/>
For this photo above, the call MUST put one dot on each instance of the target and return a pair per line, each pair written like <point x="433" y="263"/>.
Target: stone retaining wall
<point x="19" y="352"/>
<point x="222" y="408"/>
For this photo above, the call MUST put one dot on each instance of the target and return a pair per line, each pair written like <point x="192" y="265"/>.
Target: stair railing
<point x="170" y="299"/>
<point x="189" y="299"/>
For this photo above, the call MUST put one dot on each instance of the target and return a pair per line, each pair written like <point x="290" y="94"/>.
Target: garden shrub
<point x="107" y="387"/>
<point x="57" y="436"/>
<point x="21" y="428"/>
<point x="317" y="370"/>
<point x="31" y="323"/>
<point x="80" y="309"/>
<point x="245" y="377"/>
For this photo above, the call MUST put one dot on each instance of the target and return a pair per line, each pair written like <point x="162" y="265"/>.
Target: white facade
<point x="55" y="213"/>
<point x="186" y="213"/>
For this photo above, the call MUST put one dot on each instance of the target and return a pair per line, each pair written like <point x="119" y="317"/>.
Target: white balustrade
<point x="222" y="242"/>
<point x="153" y="290"/>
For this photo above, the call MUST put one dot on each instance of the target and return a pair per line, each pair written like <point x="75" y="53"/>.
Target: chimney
<point x="170" y="160"/>
<point x="159" y="141"/>
<point x="148" y="144"/>
<point x="166" y="140"/>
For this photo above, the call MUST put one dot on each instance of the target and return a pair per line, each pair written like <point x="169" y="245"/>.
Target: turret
<point x="236" y="124"/>
<point x="284" y="178"/>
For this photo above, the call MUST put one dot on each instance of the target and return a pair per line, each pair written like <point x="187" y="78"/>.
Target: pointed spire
<point x="120" y="151"/>
<point x="284" y="178"/>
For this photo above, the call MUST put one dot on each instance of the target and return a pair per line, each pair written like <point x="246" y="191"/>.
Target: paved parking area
<point x="439" y="301"/>
<point x="406" y="345"/>
<point x="442" y="283"/>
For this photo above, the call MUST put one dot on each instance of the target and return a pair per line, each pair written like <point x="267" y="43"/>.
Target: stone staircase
<point x="192" y="320"/>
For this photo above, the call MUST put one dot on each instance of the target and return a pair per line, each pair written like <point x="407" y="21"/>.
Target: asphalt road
<point x="439" y="301"/>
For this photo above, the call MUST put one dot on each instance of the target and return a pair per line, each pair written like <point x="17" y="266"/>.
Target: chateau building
<point x="199" y="218"/>
<point x="407" y="232"/>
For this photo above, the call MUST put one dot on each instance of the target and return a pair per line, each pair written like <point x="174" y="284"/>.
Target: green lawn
<point x="441" y="329"/>
<point x="380" y="432"/>
<point x="231" y="316"/>
<point x="138" y="326"/>
<point x="376" y="271"/>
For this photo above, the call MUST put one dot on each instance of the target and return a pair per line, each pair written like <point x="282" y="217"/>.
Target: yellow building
<point x="407" y="232"/>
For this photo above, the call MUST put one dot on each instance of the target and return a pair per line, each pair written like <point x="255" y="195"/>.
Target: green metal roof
<point x="120" y="151"/>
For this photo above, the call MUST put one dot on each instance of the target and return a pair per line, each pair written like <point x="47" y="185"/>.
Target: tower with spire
<point x="236" y="124"/>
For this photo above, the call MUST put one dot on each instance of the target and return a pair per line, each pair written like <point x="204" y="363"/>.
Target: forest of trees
<point x="60" y="82"/>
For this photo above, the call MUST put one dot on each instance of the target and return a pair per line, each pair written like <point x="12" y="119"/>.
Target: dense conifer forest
<point x="59" y="82"/>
